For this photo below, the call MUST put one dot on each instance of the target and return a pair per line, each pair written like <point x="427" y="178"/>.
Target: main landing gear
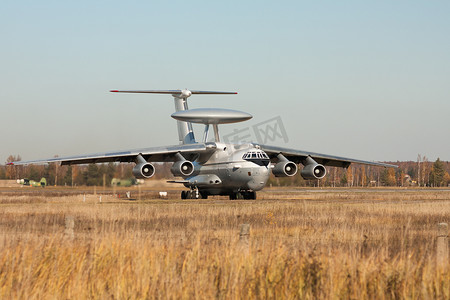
<point x="243" y="195"/>
<point x="194" y="194"/>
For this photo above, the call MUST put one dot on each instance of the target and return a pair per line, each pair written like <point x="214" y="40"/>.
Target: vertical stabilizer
<point x="185" y="131"/>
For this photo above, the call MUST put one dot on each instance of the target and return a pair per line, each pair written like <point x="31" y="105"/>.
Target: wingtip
<point x="114" y="91"/>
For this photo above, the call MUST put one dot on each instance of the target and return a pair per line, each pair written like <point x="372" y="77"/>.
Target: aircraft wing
<point x="154" y="154"/>
<point x="299" y="156"/>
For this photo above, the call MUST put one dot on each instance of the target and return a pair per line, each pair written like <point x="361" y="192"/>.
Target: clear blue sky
<point x="368" y="80"/>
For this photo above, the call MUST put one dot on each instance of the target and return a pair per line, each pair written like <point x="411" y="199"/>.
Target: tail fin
<point x="185" y="131"/>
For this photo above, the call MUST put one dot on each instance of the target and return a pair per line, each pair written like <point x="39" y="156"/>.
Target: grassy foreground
<point x="308" y="245"/>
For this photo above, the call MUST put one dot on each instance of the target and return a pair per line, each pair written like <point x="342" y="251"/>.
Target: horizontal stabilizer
<point x="176" y="93"/>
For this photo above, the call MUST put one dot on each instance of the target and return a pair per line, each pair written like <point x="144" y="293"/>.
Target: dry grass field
<point x="303" y="244"/>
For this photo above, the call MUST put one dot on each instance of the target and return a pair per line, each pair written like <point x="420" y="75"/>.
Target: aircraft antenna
<point x="185" y="130"/>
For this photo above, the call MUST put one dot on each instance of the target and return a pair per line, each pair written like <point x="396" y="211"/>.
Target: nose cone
<point x="259" y="179"/>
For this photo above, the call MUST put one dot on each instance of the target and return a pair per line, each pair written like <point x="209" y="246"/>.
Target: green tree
<point x="344" y="179"/>
<point x="388" y="177"/>
<point x="437" y="174"/>
<point x="110" y="171"/>
<point x="93" y="175"/>
<point x="33" y="173"/>
<point x="68" y="176"/>
<point x="49" y="173"/>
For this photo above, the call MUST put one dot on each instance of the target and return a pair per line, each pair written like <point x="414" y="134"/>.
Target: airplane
<point x="28" y="182"/>
<point x="236" y="170"/>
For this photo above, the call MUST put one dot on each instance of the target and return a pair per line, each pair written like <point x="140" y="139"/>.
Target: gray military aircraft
<point x="214" y="168"/>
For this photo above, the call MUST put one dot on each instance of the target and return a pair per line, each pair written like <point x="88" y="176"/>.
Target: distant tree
<point x="33" y="173"/>
<point x="419" y="176"/>
<point x="50" y="173"/>
<point x="400" y="175"/>
<point x="392" y="177"/>
<point x="344" y="179"/>
<point x="363" y="176"/>
<point x="76" y="175"/>
<point x="127" y="171"/>
<point x="388" y="177"/>
<point x="80" y="175"/>
<point x="437" y="174"/>
<point x="68" y="176"/>
<point x="425" y="170"/>
<point x="92" y="175"/>
<point x="412" y="171"/>
<point x="384" y="179"/>
<point x="2" y="172"/>
<point x="350" y="176"/>
<point x="57" y="169"/>
<point x="110" y="171"/>
<point x="446" y="179"/>
<point x="12" y="172"/>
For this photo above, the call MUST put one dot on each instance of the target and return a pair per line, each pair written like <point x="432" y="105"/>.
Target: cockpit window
<point x="257" y="156"/>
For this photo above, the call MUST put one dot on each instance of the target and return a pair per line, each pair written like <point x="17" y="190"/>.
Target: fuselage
<point x="230" y="168"/>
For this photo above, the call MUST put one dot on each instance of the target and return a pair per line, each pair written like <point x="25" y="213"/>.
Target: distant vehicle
<point x="215" y="168"/>
<point x="27" y="182"/>
<point x="123" y="182"/>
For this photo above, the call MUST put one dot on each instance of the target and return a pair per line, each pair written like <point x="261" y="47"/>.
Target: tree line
<point x="410" y="173"/>
<point x="76" y="175"/>
<point x="420" y="173"/>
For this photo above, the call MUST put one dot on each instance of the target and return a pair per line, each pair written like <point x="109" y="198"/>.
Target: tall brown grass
<point x="356" y="245"/>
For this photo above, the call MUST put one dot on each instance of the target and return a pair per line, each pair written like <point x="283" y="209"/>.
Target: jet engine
<point x="284" y="167"/>
<point x="143" y="170"/>
<point x="313" y="170"/>
<point x="182" y="167"/>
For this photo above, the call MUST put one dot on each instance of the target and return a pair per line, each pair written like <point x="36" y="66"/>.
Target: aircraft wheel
<point x="183" y="195"/>
<point x="238" y="196"/>
<point x="193" y="195"/>
<point x="204" y="195"/>
<point x="249" y="195"/>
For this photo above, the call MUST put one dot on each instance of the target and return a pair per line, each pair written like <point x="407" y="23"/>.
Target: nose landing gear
<point x="248" y="195"/>
<point x="194" y="194"/>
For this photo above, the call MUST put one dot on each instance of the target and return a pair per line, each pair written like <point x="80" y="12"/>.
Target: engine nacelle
<point x="143" y="170"/>
<point x="313" y="170"/>
<point x="182" y="168"/>
<point x="285" y="169"/>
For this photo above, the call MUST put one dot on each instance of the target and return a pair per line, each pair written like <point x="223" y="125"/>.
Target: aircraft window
<point x="255" y="155"/>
